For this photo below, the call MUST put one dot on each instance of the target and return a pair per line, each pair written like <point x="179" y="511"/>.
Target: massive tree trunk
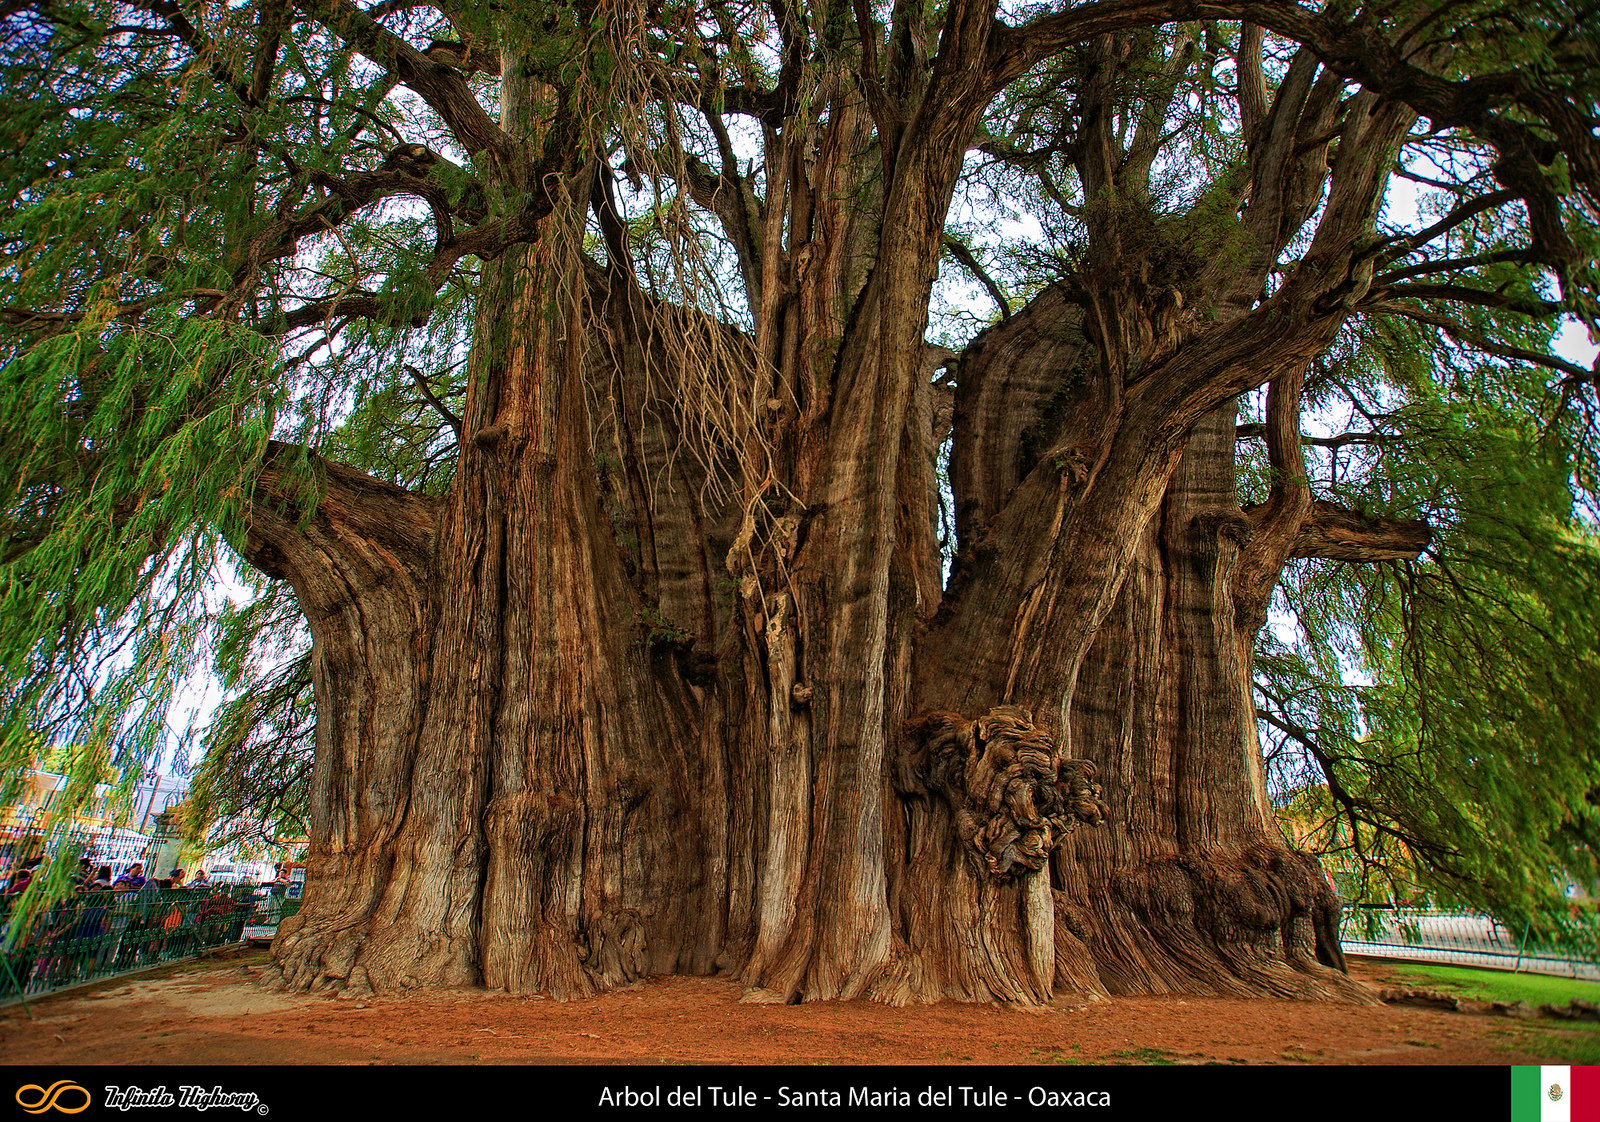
<point x="1185" y="885"/>
<point x="538" y="810"/>
<point x="1190" y="887"/>
<point x="545" y="808"/>
<point x="667" y="682"/>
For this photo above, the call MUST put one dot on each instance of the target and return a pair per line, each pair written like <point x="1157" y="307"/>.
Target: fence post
<point x="22" y="990"/>
<point x="1522" y="946"/>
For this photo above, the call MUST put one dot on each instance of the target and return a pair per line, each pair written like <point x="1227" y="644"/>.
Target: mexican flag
<point x="1555" y="1094"/>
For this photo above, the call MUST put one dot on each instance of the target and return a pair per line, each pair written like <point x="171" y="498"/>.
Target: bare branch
<point x="1258" y="431"/>
<point x="439" y="407"/>
<point x="1463" y="294"/>
<point x="1477" y="339"/>
<point x="970" y="263"/>
<point x="1455" y="264"/>
<point x="1460" y="214"/>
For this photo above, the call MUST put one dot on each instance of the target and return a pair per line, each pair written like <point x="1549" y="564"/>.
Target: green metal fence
<point x="100" y="934"/>
<point x="1463" y="939"/>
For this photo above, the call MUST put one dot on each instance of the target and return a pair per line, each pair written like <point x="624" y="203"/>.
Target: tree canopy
<point x="255" y="241"/>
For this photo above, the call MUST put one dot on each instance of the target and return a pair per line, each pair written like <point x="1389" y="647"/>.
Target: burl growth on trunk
<point x="1013" y="795"/>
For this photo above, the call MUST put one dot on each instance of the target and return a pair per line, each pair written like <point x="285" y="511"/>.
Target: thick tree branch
<point x="722" y="194"/>
<point x="1337" y="533"/>
<point x="1287" y="167"/>
<point x="1252" y="79"/>
<point x="403" y="173"/>
<point x="344" y="305"/>
<point x="465" y="57"/>
<point x="1302" y="318"/>
<point x="1359" y="52"/>
<point x="885" y="114"/>
<point x="486" y="241"/>
<point x="1276" y="523"/>
<point x="127" y="310"/>
<point x="441" y="85"/>
<point x="1154" y="116"/>
<point x="331" y="530"/>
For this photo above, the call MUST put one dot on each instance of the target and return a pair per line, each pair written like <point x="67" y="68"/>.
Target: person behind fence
<point x="90" y="935"/>
<point x="107" y="919"/>
<point x="218" y="915"/>
<point x="138" y="896"/>
<point x="96" y="931"/>
<point x="178" y="921"/>
<point x="23" y="947"/>
<point x="24" y="876"/>
<point x="118" y="920"/>
<point x="54" y="933"/>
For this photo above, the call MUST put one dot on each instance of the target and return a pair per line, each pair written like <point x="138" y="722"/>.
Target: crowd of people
<point x="107" y="924"/>
<point x="90" y="878"/>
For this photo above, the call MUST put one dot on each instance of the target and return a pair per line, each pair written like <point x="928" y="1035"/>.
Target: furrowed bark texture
<point x="361" y="569"/>
<point x="1185" y="885"/>
<point x="545" y="823"/>
<point x="650" y="693"/>
<point x="1190" y="888"/>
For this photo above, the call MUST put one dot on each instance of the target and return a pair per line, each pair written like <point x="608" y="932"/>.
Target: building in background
<point x="259" y="861"/>
<point x="98" y="830"/>
<point x="156" y="794"/>
<point x="148" y="831"/>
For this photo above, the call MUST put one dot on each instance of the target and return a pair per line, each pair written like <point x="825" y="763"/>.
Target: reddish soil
<point x="216" y="1013"/>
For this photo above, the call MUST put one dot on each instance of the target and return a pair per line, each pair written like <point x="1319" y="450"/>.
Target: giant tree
<point x="571" y="364"/>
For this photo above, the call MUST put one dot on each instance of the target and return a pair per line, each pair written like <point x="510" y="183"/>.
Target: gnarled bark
<point x="644" y="695"/>
<point x="362" y="569"/>
<point x="551" y="799"/>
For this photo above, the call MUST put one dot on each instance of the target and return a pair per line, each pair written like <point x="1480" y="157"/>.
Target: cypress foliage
<point x="241" y="240"/>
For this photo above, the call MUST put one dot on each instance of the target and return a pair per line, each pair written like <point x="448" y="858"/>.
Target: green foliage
<point x="145" y="371"/>
<point x="1448" y="706"/>
<point x="254" y="775"/>
<point x="661" y="631"/>
<point x="133" y="449"/>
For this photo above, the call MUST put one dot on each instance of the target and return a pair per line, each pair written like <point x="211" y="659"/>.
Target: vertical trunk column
<point x="1229" y="908"/>
<point x="361" y="570"/>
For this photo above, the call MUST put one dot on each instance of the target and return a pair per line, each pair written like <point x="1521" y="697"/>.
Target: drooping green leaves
<point x="1438" y="721"/>
<point x="159" y="214"/>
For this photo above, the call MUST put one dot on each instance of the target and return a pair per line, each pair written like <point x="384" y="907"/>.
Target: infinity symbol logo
<point x="50" y="1097"/>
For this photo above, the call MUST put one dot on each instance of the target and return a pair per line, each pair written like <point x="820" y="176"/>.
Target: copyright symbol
<point x="261" y="1108"/>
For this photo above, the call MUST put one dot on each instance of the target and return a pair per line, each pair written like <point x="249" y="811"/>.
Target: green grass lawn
<point x="1497" y="985"/>
<point x="1575" y="1043"/>
<point x="1553" y="1041"/>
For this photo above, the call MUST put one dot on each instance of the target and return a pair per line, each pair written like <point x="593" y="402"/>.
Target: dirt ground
<point x="216" y="1013"/>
